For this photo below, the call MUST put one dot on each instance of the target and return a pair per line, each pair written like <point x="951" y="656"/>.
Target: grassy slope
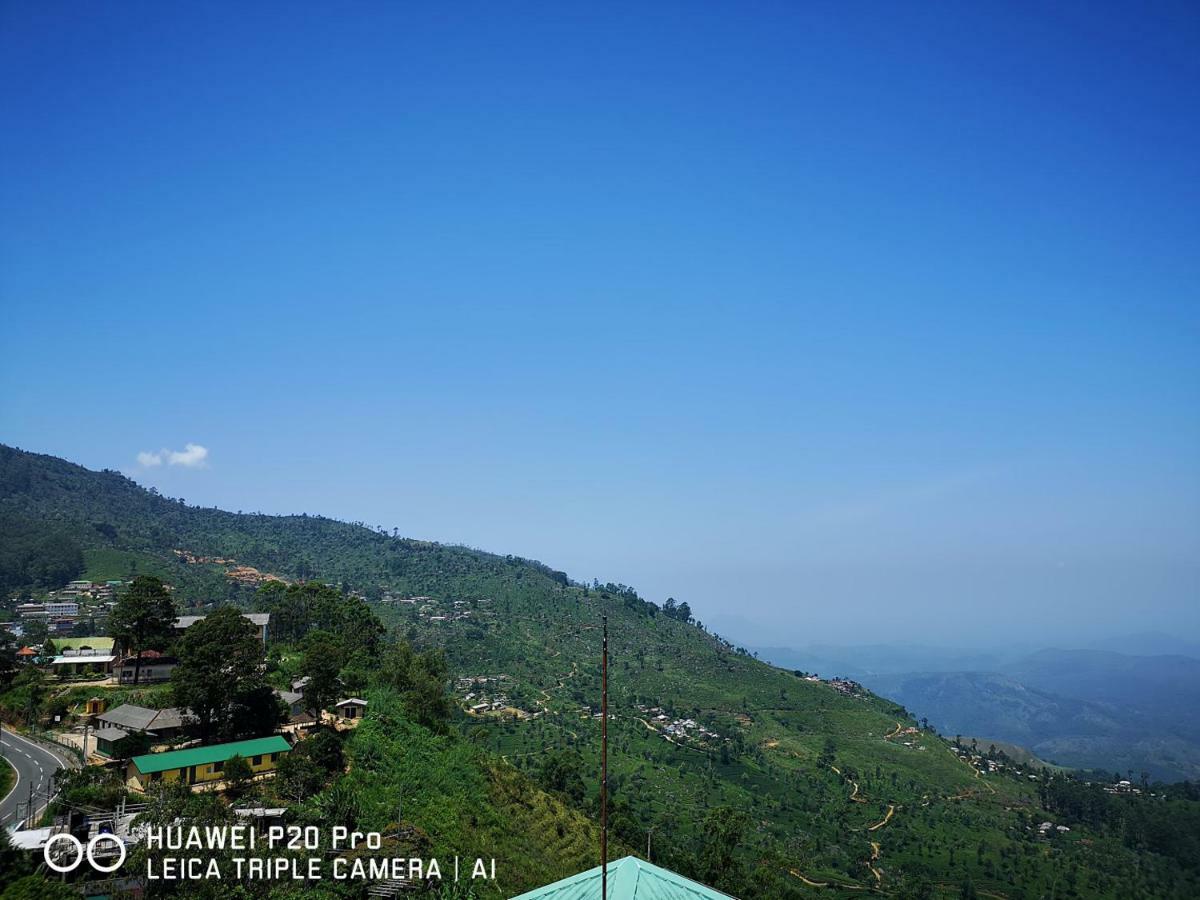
<point x="470" y="804"/>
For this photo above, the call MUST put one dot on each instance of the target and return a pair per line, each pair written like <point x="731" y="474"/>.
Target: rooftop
<point x="109" y="733"/>
<point x="258" y="619"/>
<point x="141" y="718"/>
<point x="628" y="879"/>
<point x="199" y="756"/>
<point x="82" y="658"/>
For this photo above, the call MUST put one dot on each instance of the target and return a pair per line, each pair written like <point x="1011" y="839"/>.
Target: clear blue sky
<point x="853" y="324"/>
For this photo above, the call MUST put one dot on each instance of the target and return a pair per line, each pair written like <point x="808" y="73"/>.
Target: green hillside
<point x="779" y="786"/>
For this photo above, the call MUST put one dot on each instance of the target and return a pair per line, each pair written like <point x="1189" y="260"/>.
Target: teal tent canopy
<point x="628" y="879"/>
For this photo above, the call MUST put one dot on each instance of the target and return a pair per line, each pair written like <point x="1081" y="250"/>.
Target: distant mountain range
<point x="1149" y="643"/>
<point x="1089" y="708"/>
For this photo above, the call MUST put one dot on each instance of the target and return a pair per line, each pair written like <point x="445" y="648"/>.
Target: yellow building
<point x="202" y="765"/>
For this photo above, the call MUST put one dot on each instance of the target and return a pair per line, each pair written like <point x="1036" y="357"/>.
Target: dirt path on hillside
<point x="824" y="884"/>
<point x="807" y="881"/>
<point x="978" y="774"/>
<point x="558" y="686"/>
<point x="884" y="821"/>
<point x="854" y="797"/>
<point x="870" y="863"/>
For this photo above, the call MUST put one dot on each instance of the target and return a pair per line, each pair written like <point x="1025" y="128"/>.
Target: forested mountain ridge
<point x="811" y="787"/>
<point x="106" y="509"/>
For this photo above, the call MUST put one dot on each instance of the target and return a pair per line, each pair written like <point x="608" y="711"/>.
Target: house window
<point x="274" y="756"/>
<point x="257" y="761"/>
<point x="217" y="767"/>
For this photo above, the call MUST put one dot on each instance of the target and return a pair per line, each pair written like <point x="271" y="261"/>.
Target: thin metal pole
<point x="604" y="766"/>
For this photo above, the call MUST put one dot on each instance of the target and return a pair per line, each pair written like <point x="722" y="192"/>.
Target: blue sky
<point x="838" y="324"/>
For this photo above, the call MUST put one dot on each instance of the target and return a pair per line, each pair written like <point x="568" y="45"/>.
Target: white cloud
<point x="192" y="456"/>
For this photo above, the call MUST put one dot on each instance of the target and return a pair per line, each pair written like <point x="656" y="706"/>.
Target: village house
<point x="351" y="708"/>
<point x="298" y="715"/>
<point x="155" y="667"/>
<point x="204" y="765"/>
<point x="162" y="724"/>
<point x="113" y="743"/>
<point x="81" y="656"/>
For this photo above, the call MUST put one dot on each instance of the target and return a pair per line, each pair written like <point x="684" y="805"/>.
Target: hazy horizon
<point x="852" y="325"/>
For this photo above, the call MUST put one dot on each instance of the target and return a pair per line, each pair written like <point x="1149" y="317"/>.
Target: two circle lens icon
<point x="81" y="852"/>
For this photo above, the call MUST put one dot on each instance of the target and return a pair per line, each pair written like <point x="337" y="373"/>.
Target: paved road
<point x="35" y="764"/>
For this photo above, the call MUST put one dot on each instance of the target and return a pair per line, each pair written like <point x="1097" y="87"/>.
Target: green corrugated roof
<point x="628" y="879"/>
<point x="199" y="756"/>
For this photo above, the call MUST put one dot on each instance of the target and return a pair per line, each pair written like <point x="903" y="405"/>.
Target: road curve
<point x="34" y="764"/>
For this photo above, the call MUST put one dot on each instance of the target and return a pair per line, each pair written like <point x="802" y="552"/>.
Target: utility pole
<point x="604" y="765"/>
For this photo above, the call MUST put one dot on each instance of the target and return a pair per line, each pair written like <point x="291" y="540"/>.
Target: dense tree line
<point x="1168" y="824"/>
<point x="221" y="678"/>
<point x="297" y="609"/>
<point x="35" y="556"/>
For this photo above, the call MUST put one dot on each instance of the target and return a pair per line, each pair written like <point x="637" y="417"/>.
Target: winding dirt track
<point x="824" y="884"/>
<point x="808" y="881"/>
<point x="876" y="851"/>
<point x="885" y="820"/>
<point x="854" y="798"/>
